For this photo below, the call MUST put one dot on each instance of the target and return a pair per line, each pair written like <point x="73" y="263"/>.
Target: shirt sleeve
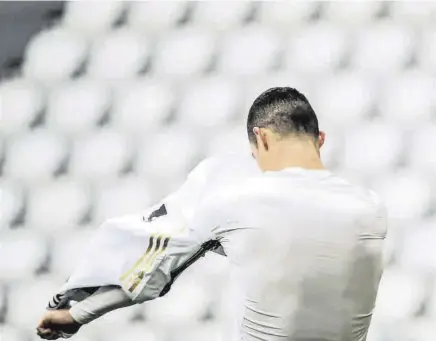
<point x="104" y="300"/>
<point x="166" y="256"/>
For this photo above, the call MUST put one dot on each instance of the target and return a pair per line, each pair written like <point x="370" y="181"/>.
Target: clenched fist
<point x="56" y="323"/>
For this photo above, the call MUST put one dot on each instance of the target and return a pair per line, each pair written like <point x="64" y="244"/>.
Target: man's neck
<point x="301" y="154"/>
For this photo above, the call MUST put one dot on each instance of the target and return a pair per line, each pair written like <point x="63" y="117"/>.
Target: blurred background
<point x="106" y="106"/>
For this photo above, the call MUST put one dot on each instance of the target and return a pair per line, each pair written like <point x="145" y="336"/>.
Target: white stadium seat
<point x="352" y="13"/>
<point x="77" y="106"/>
<point x="57" y="205"/>
<point x="116" y="332"/>
<point x="408" y="12"/>
<point x="101" y="154"/>
<point x="344" y="99"/>
<point x="67" y="250"/>
<point x="21" y="102"/>
<point x="35" y="156"/>
<point x="126" y="196"/>
<point x="431" y="308"/>
<point x="249" y="51"/>
<point x="186" y="303"/>
<point x="406" y="195"/>
<point x="2" y="146"/>
<point x="141" y="106"/>
<point x="28" y="299"/>
<point x="54" y="55"/>
<point x="427" y="51"/>
<point x="210" y="331"/>
<point x="231" y="139"/>
<point x="420" y="329"/>
<point x="409" y="100"/>
<point x="417" y="249"/>
<point x="10" y="333"/>
<point x="220" y="14"/>
<point x="383" y="48"/>
<point x="317" y="49"/>
<point x="208" y="103"/>
<point x="121" y="54"/>
<point x="2" y="297"/>
<point x="22" y="252"/>
<point x="168" y="155"/>
<point x="150" y="16"/>
<point x="11" y="201"/>
<point x="285" y="14"/>
<point x="92" y="18"/>
<point x="184" y="52"/>
<point x="422" y="154"/>
<point x="371" y="148"/>
<point x="400" y="294"/>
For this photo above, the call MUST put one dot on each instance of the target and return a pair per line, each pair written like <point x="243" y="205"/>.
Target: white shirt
<point x="307" y="246"/>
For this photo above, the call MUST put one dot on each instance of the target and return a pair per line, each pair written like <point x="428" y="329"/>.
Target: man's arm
<point x="151" y="276"/>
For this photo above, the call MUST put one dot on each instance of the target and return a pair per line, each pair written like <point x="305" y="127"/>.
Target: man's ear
<point x="321" y="139"/>
<point x="261" y="137"/>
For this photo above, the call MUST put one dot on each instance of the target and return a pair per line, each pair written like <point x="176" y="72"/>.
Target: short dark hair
<point x="284" y="110"/>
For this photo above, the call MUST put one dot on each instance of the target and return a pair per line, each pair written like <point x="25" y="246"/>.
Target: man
<point x="306" y="244"/>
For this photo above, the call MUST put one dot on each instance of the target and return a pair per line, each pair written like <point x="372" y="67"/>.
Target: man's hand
<point x="54" y="322"/>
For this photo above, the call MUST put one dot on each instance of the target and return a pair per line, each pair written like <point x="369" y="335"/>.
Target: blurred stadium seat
<point x="12" y="201"/>
<point x="21" y="104"/>
<point x="22" y="253"/>
<point x="392" y="302"/>
<point x="27" y="300"/>
<point x="67" y="250"/>
<point x="284" y="14"/>
<point x="427" y="51"/>
<point x="77" y="106"/>
<point x="406" y="194"/>
<point x="143" y="105"/>
<point x="422" y="155"/>
<point x="330" y="94"/>
<point x="135" y="331"/>
<point x="409" y="100"/>
<point x="208" y="103"/>
<point x="249" y="51"/>
<point x="231" y="139"/>
<point x="58" y="205"/>
<point x="129" y="194"/>
<point x="353" y="14"/>
<point x="101" y="154"/>
<point x="203" y="331"/>
<point x="372" y="148"/>
<point x="384" y="47"/>
<point x="121" y="54"/>
<point x="319" y="49"/>
<point x="418" y="252"/>
<point x="92" y="19"/>
<point x="423" y="329"/>
<point x="406" y="12"/>
<point x="184" y="52"/>
<point x="10" y="333"/>
<point x="186" y="304"/>
<point x="168" y="154"/>
<point x="54" y="55"/>
<point x="221" y="15"/>
<point x="155" y="16"/>
<point x="34" y="156"/>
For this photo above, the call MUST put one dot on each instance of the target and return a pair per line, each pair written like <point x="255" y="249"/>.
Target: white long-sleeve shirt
<point x="307" y="247"/>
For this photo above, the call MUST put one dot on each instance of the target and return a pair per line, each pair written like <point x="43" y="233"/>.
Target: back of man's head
<point x="285" y="111"/>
